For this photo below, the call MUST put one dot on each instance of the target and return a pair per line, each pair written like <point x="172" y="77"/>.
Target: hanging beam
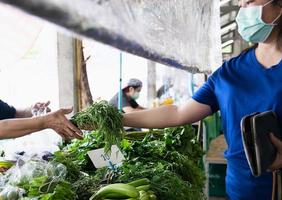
<point x="172" y="32"/>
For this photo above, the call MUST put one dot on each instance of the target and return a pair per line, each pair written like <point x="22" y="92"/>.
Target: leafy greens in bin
<point x="104" y="118"/>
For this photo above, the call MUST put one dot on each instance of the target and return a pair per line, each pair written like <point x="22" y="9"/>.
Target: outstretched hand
<point x="59" y="123"/>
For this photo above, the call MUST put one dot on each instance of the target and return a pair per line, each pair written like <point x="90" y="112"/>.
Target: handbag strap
<point x="279" y="185"/>
<point x="273" y="185"/>
<point x="276" y="185"/>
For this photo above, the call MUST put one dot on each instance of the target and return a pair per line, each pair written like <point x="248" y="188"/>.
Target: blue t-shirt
<point x="242" y="86"/>
<point x="6" y="111"/>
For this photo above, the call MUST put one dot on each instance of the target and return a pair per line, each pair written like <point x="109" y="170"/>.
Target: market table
<point x="216" y="150"/>
<point x="215" y="155"/>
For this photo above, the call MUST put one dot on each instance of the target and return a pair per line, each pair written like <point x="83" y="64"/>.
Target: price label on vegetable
<point x="100" y="159"/>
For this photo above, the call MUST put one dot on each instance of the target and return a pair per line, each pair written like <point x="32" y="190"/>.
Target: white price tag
<point x="100" y="159"/>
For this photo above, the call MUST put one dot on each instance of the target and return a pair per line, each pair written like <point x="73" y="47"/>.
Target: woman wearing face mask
<point x="248" y="83"/>
<point x="130" y="93"/>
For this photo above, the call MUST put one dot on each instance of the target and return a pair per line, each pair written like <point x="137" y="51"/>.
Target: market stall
<point x="108" y="163"/>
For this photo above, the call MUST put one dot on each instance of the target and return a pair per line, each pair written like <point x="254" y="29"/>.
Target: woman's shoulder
<point x="235" y="63"/>
<point x="244" y="56"/>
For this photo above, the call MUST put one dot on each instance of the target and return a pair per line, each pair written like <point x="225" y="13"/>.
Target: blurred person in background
<point x="130" y="93"/>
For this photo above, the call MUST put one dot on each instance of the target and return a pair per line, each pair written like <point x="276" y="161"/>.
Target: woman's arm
<point x="23" y="112"/>
<point x="129" y="109"/>
<point x="168" y="116"/>
<point x="12" y="128"/>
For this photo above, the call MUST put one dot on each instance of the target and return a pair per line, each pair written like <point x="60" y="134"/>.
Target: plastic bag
<point x="33" y="172"/>
<point x="11" y="193"/>
<point x="28" y="168"/>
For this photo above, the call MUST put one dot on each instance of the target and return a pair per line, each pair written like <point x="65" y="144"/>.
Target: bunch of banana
<point x="136" y="190"/>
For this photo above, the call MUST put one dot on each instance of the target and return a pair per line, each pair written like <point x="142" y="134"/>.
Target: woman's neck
<point x="269" y="53"/>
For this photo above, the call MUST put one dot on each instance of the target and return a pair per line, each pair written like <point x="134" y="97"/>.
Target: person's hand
<point x="278" y="160"/>
<point x="40" y="108"/>
<point x="59" y="123"/>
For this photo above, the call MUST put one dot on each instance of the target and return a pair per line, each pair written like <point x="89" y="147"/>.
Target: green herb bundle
<point x="73" y="172"/>
<point x="166" y="184"/>
<point x="63" y="190"/>
<point x="104" y="118"/>
<point x="170" y="162"/>
<point x="86" y="186"/>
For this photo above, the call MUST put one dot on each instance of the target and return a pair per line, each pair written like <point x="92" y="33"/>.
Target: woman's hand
<point x="59" y="123"/>
<point x="278" y="160"/>
<point x="40" y="108"/>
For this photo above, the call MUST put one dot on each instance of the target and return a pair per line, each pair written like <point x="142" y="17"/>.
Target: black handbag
<point x="259" y="150"/>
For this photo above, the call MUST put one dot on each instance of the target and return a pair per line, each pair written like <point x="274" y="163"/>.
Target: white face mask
<point x="251" y="26"/>
<point x="135" y="95"/>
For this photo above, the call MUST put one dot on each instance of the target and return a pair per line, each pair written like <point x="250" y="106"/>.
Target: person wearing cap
<point x="130" y="93"/>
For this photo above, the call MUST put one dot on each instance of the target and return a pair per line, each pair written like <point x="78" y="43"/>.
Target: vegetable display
<point x="174" y="171"/>
<point x="163" y="164"/>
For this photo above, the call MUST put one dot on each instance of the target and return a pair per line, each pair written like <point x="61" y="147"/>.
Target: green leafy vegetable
<point x="103" y="117"/>
<point x="35" y="185"/>
<point x="77" y="152"/>
<point x="86" y="186"/>
<point x="63" y="190"/>
<point x="171" y="163"/>
<point x="183" y="140"/>
<point x="72" y="170"/>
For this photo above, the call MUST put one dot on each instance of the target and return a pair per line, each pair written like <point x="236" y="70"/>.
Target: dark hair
<point x="126" y="89"/>
<point x="279" y="39"/>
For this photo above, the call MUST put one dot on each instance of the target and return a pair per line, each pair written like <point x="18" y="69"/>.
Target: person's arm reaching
<point x="12" y="128"/>
<point x="168" y="116"/>
<point x="141" y="108"/>
<point x="129" y="109"/>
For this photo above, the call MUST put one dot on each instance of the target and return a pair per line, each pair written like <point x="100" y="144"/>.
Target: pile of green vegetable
<point x="160" y="164"/>
<point x="169" y="158"/>
<point x="76" y="151"/>
<point x="103" y="117"/>
<point x="172" y="163"/>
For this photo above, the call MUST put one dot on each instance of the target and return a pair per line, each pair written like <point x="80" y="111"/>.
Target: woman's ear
<point x="131" y="90"/>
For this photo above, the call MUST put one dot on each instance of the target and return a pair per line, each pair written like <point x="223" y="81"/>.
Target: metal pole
<point x="192" y="84"/>
<point x="120" y="83"/>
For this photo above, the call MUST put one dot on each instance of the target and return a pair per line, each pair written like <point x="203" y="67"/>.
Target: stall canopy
<point x="181" y="33"/>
